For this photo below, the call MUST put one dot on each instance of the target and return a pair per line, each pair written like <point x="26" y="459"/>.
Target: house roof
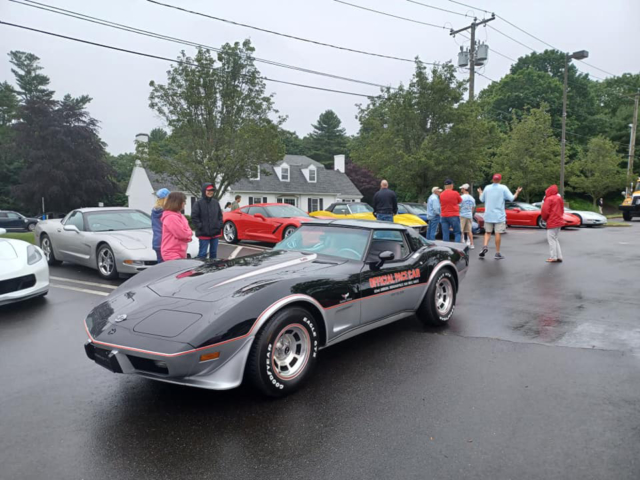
<point x="328" y="181"/>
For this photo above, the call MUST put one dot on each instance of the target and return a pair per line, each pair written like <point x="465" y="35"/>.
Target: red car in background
<point x="526" y="215"/>
<point x="262" y="222"/>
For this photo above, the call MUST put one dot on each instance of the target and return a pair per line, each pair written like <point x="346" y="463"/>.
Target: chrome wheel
<point x="31" y="227"/>
<point x="106" y="262"/>
<point x="45" y="244"/>
<point x="444" y="296"/>
<point x="229" y="231"/>
<point x="288" y="232"/>
<point x="291" y="352"/>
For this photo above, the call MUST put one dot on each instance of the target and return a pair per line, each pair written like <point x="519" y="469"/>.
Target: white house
<point x="297" y="180"/>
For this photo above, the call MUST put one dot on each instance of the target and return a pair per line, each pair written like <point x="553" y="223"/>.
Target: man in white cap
<point x="433" y="213"/>
<point x="466" y="215"/>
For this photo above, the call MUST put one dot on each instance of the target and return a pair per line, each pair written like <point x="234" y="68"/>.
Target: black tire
<point x="264" y="372"/>
<point x="626" y="216"/>
<point x="431" y="311"/>
<point x="47" y="248"/>
<point x="230" y="232"/>
<point x="541" y="223"/>
<point x="288" y="231"/>
<point x="31" y="227"/>
<point x="106" y="262"/>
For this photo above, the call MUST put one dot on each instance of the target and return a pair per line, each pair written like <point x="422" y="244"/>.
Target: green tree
<point x="293" y="144"/>
<point x="597" y="170"/>
<point x="122" y="167"/>
<point x="219" y="116"/>
<point x="56" y="144"/>
<point x="327" y="139"/>
<point x="418" y="135"/>
<point x="10" y="166"/>
<point x="158" y="135"/>
<point x="529" y="156"/>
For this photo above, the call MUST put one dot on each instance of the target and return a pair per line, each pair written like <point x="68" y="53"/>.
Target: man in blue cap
<point x="156" y="221"/>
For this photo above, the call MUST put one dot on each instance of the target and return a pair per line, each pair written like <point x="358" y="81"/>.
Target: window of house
<point x="284" y="173"/>
<point x="312" y="174"/>
<point x="290" y="201"/>
<point x="257" y="199"/>
<point x="314" y="204"/>
<point x="255" y="173"/>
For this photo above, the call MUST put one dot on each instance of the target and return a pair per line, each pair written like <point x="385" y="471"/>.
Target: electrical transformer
<point x="482" y="54"/>
<point x="463" y="58"/>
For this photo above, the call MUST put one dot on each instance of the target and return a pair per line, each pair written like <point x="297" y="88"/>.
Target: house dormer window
<point x="255" y="173"/>
<point x="313" y="174"/>
<point x="284" y="173"/>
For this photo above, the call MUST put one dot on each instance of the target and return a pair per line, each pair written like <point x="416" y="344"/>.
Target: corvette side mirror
<point x="517" y="210"/>
<point x="383" y="257"/>
<point x="260" y="216"/>
<point x="71" y="228"/>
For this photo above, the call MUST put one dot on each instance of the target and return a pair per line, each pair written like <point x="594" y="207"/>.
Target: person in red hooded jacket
<point x="552" y="213"/>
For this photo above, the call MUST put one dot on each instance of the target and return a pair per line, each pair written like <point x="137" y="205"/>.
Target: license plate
<point x="110" y="363"/>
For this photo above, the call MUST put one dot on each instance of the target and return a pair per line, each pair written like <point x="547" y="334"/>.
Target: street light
<point x="579" y="55"/>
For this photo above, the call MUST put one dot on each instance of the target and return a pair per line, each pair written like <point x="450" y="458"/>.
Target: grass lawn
<point x="26" y="236"/>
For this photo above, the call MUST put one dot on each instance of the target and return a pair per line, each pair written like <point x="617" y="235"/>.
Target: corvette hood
<point x="7" y="252"/>
<point x="131" y="239"/>
<point x="212" y="281"/>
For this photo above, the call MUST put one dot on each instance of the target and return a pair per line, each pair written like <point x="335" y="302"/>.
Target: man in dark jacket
<point x="206" y="215"/>
<point x="553" y="213"/>
<point x="385" y="203"/>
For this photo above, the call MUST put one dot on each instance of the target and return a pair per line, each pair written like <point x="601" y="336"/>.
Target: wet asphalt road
<point x="538" y="376"/>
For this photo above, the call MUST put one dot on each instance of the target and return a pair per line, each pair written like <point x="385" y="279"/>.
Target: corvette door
<point x="73" y="245"/>
<point x="515" y="216"/>
<point x="393" y="287"/>
<point x="257" y="228"/>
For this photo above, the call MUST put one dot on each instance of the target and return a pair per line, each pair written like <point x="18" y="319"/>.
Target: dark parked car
<point x="13" y="221"/>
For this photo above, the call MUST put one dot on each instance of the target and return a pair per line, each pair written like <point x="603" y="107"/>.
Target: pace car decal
<point x="395" y="280"/>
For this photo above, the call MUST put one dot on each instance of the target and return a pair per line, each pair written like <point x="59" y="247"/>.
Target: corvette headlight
<point x="33" y="255"/>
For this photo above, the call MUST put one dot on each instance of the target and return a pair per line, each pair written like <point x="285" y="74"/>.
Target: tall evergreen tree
<point x="327" y="139"/>
<point x="10" y="165"/>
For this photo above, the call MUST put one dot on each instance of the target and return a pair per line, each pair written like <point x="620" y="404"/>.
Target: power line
<point x="388" y="15"/>
<point x="147" y="33"/>
<point x="511" y="38"/>
<point x="438" y="8"/>
<point x="166" y="59"/>
<point x="492" y="49"/>
<point x="470" y="6"/>
<point x="272" y="32"/>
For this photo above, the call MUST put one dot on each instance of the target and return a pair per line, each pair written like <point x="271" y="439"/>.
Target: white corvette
<point x="24" y="272"/>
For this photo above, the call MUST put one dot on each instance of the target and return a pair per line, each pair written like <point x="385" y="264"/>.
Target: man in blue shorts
<point x="495" y="216"/>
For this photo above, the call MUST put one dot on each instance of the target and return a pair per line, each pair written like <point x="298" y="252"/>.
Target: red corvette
<point x="263" y="222"/>
<point x="525" y="214"/>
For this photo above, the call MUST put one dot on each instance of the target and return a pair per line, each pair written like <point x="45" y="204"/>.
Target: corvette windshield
<point x="114" y="221"/>
<point x="349" y="243"/>
<point x="360" y="208"/>
<point x="526" y="207"/>
<point x="417" y="209"/>
<point x="285" y="211"/>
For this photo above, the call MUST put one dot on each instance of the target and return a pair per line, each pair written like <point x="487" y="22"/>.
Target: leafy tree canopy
<point x="327" y="139"/>
<point x="219" y="116"/>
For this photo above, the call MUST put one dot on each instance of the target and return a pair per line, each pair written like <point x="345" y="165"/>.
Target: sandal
<point x="553" y="260"/>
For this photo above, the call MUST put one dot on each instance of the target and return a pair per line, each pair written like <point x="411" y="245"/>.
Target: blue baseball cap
<point x="162" y="193"/>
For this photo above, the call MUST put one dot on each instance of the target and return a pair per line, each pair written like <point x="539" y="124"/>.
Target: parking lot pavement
<point x="536" y="377"/>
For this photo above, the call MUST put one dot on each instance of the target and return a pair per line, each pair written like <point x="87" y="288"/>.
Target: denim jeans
<point x="450" y="222"/>
<point x="384" y="217"/>
<point x="204" y="246"/>
<point x="432" y="228"/>
<point x="158" y="255"/>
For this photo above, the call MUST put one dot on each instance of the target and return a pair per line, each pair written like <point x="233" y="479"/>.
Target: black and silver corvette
<point x="264" y="318"/>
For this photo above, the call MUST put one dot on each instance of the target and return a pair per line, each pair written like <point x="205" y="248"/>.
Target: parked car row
<point x="16" y="222"/>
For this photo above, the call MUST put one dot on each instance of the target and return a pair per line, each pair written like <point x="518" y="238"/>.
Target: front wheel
<point x="287" y="232"/>
<point x="31" y="227"/>
<point x="107" y="263"/>
<point x="541" y="223"/>
<point x="230" y="233"/>
<point x="626" y="216"/>
<point x="47" y="248"/>
<point x="440" y="301"/>
<point x="283" y="354"/>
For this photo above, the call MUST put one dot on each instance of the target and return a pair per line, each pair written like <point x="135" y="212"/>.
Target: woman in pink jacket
<point x="176" y="233"/>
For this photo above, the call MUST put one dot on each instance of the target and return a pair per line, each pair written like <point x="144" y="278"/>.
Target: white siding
<point x="140" y="193"/>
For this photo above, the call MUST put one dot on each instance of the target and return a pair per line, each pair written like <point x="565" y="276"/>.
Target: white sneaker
<point x="471" y="247"/>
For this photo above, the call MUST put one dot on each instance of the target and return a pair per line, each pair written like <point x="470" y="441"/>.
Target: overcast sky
<point x="119" y="82"/>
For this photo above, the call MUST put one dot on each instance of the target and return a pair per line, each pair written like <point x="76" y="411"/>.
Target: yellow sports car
<point x="362" y="211"/>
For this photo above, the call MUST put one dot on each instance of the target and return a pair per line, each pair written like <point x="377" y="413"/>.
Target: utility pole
<point x="579" y="55"/>
<point x="472" y="50"/>
<point x="632" y="141"/>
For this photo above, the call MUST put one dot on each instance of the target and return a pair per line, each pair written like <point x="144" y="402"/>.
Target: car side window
<point x="402" y="209"/>
<point x="13" y="216"/>
<point x="261" y="210"/>
<point x="388" y="240"/>
<point x="341" y="210"/>
<point x="76" y="220"/>
<point x="4" y="215"/>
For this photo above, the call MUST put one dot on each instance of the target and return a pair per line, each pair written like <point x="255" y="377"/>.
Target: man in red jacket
<point x="552" y="213"/>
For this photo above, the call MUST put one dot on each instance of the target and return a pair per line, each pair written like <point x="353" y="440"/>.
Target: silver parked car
<point x="587" y="218"/>
<point x="111" y="240"/>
